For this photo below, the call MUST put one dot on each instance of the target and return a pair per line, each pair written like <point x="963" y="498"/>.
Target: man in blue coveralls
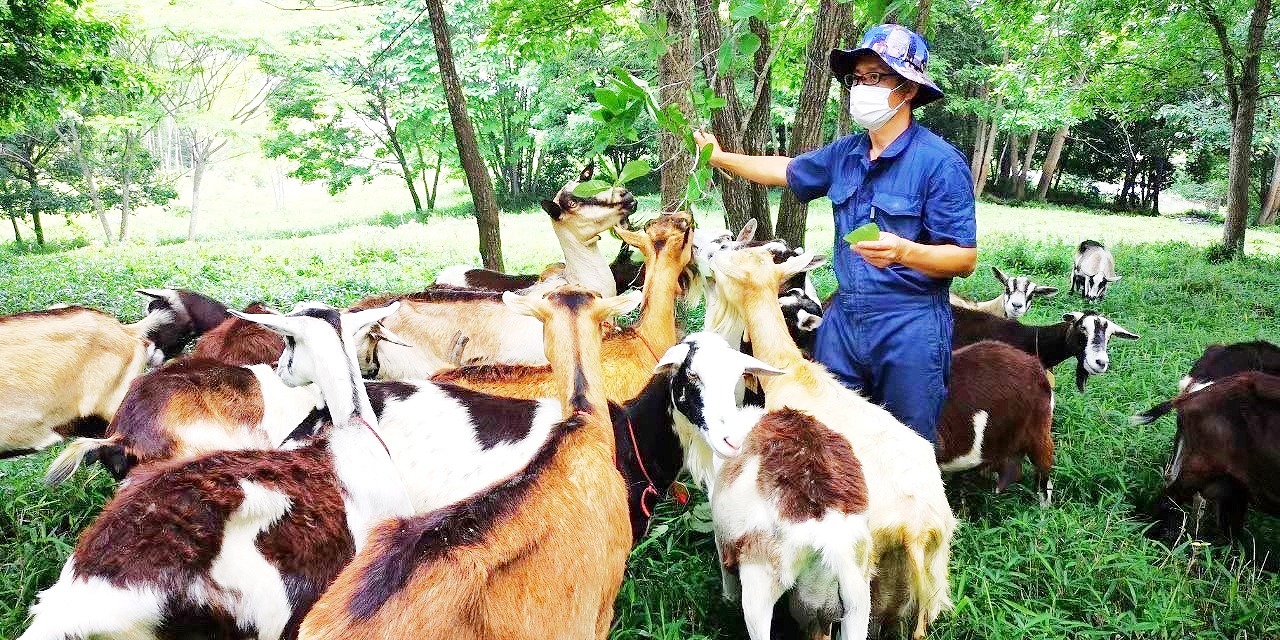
<point x="887" y="333"/>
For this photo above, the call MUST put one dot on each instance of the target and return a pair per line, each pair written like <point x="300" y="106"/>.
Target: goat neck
<point x="770" y="340"/>
<point x="573" y="336"/>
<point x="1055" y="343"/>
<point x="668" y="248"/>
<point x="583" y="263"/>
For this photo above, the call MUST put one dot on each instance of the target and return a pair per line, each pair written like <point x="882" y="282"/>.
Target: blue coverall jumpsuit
<point x="888" y="331"/>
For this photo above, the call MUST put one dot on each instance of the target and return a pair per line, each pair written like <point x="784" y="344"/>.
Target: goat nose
<point x="1101" y="362"/>
<point x="1016" y="305"/>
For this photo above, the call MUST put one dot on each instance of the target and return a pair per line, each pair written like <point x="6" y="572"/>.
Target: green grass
<point x="1082" y="569"/>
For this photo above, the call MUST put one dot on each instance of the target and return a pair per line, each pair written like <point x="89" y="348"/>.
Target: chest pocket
<point x="899" y="215"/>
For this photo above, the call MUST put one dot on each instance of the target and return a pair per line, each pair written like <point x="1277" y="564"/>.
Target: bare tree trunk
<point x="17" y="235"/>
<point x="435" y="185"/>
<point x="1020" y="189"/>
<point x="77" y="145"/>
<point x="464" y="135"/>
<point x="1271" y="204"/>
<point x="979" y="151"/>
<point x="1051" y="162"/>
<point x="814" y="93"/>
<point x="922" y="15"/>
<point x="126" y="187"/>
<point x="984" y="169"/>
<point x="1246" y="105"/>
<point x="197" y="176"/>
<point x="844" y="122"/>
<point x="675" y="77"/>
<point x="755" y="137"/>
<point x="726" y="122"/>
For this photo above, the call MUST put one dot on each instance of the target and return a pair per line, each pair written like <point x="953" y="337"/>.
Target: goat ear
<point x="353" y="323"/>
<point x="587" y="172"/>
<point x="1004" y="280"/>
<point x="283" y="325"/>
<point x="158" y="294"/>
<point x="524" y="305"/>
<point x="386" y="335"/>
<point x="1112" y="278"/>
<point x="803" y="262"/>
<point x="636" y="239"/>
<point x="807" y="321"/>
<point x="1121" y="332"/>
<point x="623" y="304"/>
<point x="1047" y="292"/>
<point x="672" y="358"/>
<point x="1073" y="316"/>
<point x="552" y="209"/>
<point x="755" y="367"/>
<point x="748" y="231"/>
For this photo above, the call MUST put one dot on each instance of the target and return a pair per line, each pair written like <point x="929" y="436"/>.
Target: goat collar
<point x="368" y="426"/>
<point x="653" y="353"/>
<point x="649" y="489"/>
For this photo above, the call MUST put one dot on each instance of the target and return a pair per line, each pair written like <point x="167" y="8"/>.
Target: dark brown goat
<point x="1219" y="361"/>
<point x="240" y="342"/>
<point x="1227" y="449"/>
<point x="999" y="410"/>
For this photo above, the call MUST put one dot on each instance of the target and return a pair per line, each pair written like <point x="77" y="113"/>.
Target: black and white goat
<point x="1014" y="302"/>
<point x="1093" y="269"/>
<point x="1084" y="335"/>
<point x="176" y="317"/>
<point x="1219" y="361"/>
<point x="788" y="497"/>
<point x="238" y="542"/>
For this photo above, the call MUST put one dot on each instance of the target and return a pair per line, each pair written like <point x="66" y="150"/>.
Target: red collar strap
<point x="374" y="432"/>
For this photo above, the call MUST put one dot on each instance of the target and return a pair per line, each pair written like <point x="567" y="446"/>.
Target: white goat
<point x="1094" y="268"/>
<point x="1014" y="302"/>
<point x="787" y="494"/>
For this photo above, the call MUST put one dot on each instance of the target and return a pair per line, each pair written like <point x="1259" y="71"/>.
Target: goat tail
<point x="69" y="460"/>
<point x="928" y="560"/>
<point x="1152" y="414"/>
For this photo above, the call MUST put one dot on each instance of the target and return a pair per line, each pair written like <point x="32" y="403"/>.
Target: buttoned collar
<point x="895" y="148"/>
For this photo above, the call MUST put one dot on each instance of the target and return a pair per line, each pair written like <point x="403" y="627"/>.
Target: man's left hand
<point x="881" y="253"/>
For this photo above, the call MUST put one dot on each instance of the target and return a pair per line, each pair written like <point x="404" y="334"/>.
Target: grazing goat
<point x="1227" y="448"/>
<point x="1219" y="361"/>
<point x="787" y="493"/>
<point x="538" y="555"/>
<point x="1014" y="302"/>
<point x="240" y="342"/>
<point x="1092" y="271"/>
<point x="63" y="373"/>
<point x="190" y="407"/>
<point x="999" y="410"/>
<point x="1084" y="335"/>
<point x="175" y="317"/>
<point x="628" y="354"/>
<point x="238" y="542"/>
<point x="910" y="519"/>
<point x="578" y="223"/>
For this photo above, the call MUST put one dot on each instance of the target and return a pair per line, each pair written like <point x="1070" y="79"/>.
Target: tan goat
<point x="629" y="355"/>
<point x="910" y="520"/>
<point x="538" y="555"/>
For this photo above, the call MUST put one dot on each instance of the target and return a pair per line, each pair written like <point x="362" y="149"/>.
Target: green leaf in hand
<point x="868" y="231"/>
<point x="590" y="188"/>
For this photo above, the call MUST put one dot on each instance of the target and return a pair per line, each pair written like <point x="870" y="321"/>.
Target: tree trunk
<point x="33" y="202"/>
<point x="984" y="169"/>
<point x="1126" y="189"/>
<point x="814" y="93"/>
<point x="464" y="135"/>
<point x="979" y="150"/>
<point x="393" y="139"/>
<point x="434" y="189"/>
<point x="1020" y="189"/>
<point x="197" y="176"/>
<point x="77" y="146"/>
<point x="126" y="187"/>
<point x="755" y="136"/>
<point x="1007" y="162"/>
<point x="17" y="235"/>
<point x="1051" y="162"/>
<point x="1271" y="204"/>
<point x="675" y="79"/>
<point x="844" y="121"/>
<point x="726" y="122"/>
<point x="1242" y="132"/>
<point x="922" y="15"/>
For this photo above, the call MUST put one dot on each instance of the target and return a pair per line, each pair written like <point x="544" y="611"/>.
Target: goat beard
<point x="1082" y="375"/>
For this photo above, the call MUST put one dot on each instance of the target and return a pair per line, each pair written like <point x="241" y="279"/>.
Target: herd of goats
<point x="477" y="460"/>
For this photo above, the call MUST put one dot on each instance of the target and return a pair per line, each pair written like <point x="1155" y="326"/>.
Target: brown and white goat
<point x="63" y="373"/>
<point x="237" y="542"/>
<point x="240" y="342"/>
<point x="999" y="410"/>
<point x="175" y="317"/>
<point x="1014" y="302"/>
<point x="578" y="223"/>
<point x="910" y="519"/>
<point x="1227" y="449"/>
<point x="629" y="355"/>
<point x="538" y="555"/>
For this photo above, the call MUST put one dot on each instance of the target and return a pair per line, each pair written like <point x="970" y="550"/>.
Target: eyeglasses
<point x="850" y="80"/>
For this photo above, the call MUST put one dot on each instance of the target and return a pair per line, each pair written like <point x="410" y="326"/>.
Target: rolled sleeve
<point x="809" y="174"/>
<point x="949" y="207"/>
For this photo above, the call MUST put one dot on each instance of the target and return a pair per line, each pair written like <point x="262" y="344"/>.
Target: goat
<point x="1092" y="270"/>
<point x="787" y="494"/>
<point x="63" y="373"/>
<point x="488" y="566"/>
<point x="175" y="317"/>
<point x="578" y="223"/>
<point x="999" y="409"/>
<point x="1082" y="334"/>
<point x="1225" y="449"/>
<point x="190" y="407"/>
<point x="1219" y="361"/>
<point x="628" y="354"/>
<point x="240" y="541"/>
<point x="908" y="512"/>
<point x="240" y="342"/>
<point x="1013" y="302"/>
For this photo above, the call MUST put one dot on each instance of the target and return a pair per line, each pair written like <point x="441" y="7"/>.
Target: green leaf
<point x="748" y="44"/>
<point x="608" y="99"/>
<point x="746" y="9"/>
<point x="632" y="170"/>
<point x="868" y="231"/>
<point x="590" y="188"/>
<point x="704" y="155"/>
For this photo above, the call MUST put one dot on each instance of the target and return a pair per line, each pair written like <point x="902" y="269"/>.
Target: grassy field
<point x="1081" y="569"/>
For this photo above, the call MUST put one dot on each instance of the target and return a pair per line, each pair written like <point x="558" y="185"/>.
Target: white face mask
<point x="869" y="106"/>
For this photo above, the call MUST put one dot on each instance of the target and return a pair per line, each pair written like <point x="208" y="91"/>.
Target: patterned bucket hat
<point x="899" y="47"/>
